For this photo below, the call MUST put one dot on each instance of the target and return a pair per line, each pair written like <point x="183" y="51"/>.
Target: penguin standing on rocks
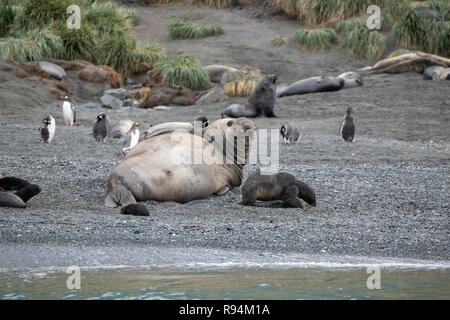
<point x="100" y="127"/>
<point x="289" y="132"/>
<point x="47" y="129"/>
<point x="131" y="139"/>
<point x="69" y="112"/>
<point x="347" y="130"/>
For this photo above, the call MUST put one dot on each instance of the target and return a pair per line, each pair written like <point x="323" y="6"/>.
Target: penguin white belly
<point x="51" y="130"/>
<point x="134" y="138"/>
<point x="68" y="113"/>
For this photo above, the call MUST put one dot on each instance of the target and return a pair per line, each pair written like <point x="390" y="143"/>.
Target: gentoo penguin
<point x="347" y="130"/>
<point x="48" y="128"/>
<point x="69" y="112"/>
<point x="290" y="133"/>
<point x="131" y="138"/>
<point x="100" y="127"/>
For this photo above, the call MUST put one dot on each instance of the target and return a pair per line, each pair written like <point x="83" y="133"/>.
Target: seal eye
<point x="230" y="123"/>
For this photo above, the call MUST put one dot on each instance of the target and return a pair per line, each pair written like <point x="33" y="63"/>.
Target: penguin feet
<point x="135" y="210"/>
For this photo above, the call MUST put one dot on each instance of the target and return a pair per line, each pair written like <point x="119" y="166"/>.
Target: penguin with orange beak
<point x="48" y="128"/>
<point x="100" y="127"/>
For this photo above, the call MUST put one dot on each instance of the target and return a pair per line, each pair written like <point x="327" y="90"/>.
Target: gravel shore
<point x="387" y="195"/>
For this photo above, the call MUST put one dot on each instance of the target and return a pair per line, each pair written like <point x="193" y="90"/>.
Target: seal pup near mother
<point x="166" y="167"/>
<point x="313" y="85"/>
<point x="272" y="188"/>
<point x="260" y="103"/>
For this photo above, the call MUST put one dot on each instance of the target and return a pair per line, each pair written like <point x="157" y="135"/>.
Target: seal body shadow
<point x="272" y="188"/>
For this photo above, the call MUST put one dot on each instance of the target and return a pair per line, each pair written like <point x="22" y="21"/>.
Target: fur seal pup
<point x="48" y="128"/>
<point x="352" y="79"/>
<point x="135" y="210"/>
<point x="15" y="192"/>
<point x="165" y="167"/>
<point x="281" y="186"/>
<point x="260" y="103"/>
<point x="216" y="72"/>
<point x="69" y="112"/>
<point x="313" y="85"/>
<point x="347" y="130"/>
<point x="289" y="132"/>
<point x="100" y="127"/>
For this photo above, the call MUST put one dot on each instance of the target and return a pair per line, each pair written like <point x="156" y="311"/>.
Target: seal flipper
<point x="10" y="200"/>
<point x="135" y="210"/>
<point x="119" y="195"/>
<point x="28" y="192"/>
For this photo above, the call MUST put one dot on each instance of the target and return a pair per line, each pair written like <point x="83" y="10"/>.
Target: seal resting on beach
<point x="273" y="188"/>
<point x="15" y="192"/>
<point x="313" y="85"/>
<point x="217" y="71"/>
<point x="352" y="79"/>
<point x="180" y="166"/>
<point x="260" y="103"/>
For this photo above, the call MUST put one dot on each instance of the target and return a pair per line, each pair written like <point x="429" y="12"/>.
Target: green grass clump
<point x="7" y="16"/>
<point x="414" y="31"/>
<point x="44" y="12"/>
<point x="318" y="39"/>
<point x="363" y="43"/>
<point x="30" y="46"/>
<point x="221" y="3"/>
<point x="184" y="70"/>
<point x="441" y="6"/>
<point x="181" y="29"/>
<point x="279" y="41"/>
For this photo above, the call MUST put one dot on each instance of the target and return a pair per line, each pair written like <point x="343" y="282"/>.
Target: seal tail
<point x="119" y="195"/>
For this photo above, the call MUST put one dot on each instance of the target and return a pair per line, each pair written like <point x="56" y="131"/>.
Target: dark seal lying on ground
<point x="260" y="103"/>
<point x="281" y="186"/>
<point x="313" y="85"/>
<point x="15" y="192"/>
<point x="167" y="167"/>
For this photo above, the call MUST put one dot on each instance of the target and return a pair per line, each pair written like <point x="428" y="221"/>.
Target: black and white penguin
<point x="289" y="132"/>
<point x="48" y="128"/>
<point x="131" y="139"/>
<point x="347" y="130"/>
<point x="69" y="112"/>
<point x="100" y="127"/>
<point x="204" y="121"/>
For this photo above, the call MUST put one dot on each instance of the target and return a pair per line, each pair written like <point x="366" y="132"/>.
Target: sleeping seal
<point x="15" y="192"/>
<point x="312" y="85"/>
<point x="173" y="166"/>
<point x="281" y="186"/>
<point x="260" y="103"/>
<point x="352" y="79"/>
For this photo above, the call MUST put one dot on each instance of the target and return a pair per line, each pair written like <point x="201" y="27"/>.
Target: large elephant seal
<point x="281" y="186"/>
<point x="260" y="103"/>
<point x="182" y="166"/>
<point x="15" y="192"/>
<point x="216" y="72"/>
<point x="313" y="85"/>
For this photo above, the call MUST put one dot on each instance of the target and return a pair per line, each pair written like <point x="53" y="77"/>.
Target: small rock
<point x="212" y="96"/>
<point x="111" y="102"/>
<point x="120" y="93"/>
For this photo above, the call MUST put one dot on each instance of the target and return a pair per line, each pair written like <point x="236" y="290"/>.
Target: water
<point x="228" y="283"/>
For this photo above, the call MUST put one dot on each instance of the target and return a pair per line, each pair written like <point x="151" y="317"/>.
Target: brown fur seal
<point x="168" y="167"/>
<point x="260" y="103"/>
<point x="313" y="85"/>
<point x="216" y="72"/>
<point x="15" y="192"/>
<point x="281" y="186"/>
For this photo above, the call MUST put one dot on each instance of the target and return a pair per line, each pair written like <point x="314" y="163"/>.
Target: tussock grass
<point x="279" y="41"/>
<point x="398" y="52"/>
<point x="183" y="70"/>
<point x="210" y="3"/>
<point x="318" y="39"/>
<point x="181" y="29"/>
<point x="7" y="16"/>
<point x="364" y="44"/>
<point x="441" y="6"/>
<point x="243" y="86"/>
